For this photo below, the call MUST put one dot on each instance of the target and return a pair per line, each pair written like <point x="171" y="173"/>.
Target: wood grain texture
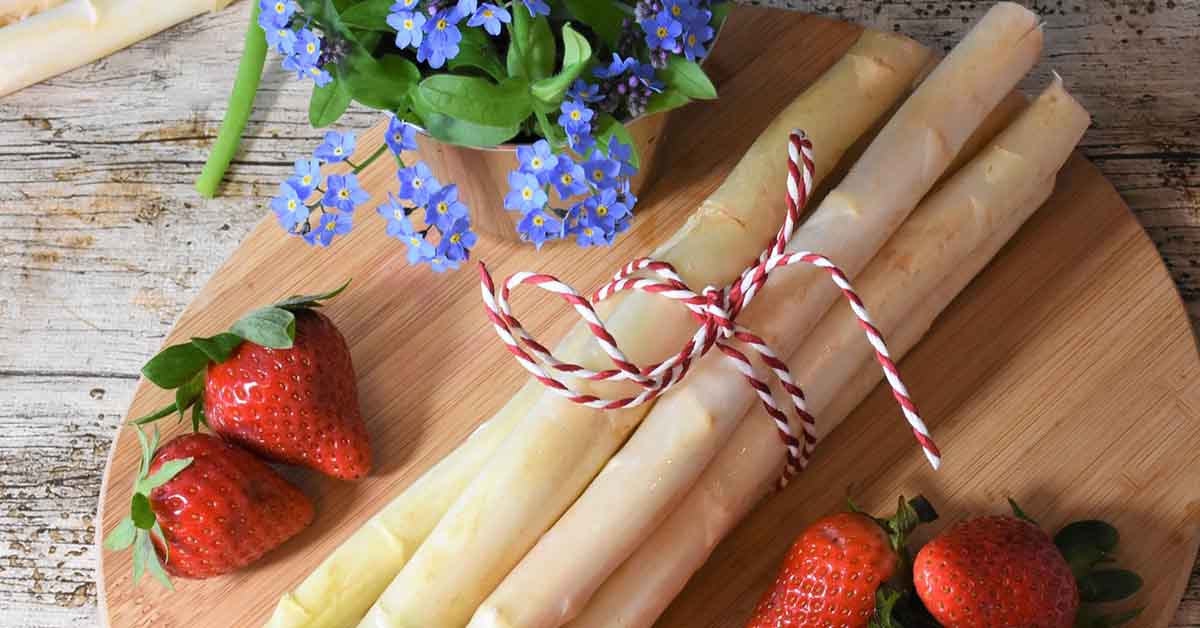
<point x="103" y="242"/>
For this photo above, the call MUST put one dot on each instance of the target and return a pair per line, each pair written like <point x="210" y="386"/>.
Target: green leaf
<point x="536" y="46"/>
<point x="311" y="300"/>
<point x="1108" y="585"/>
<point x="165" y="473"/>
<point x="1109" y="620"/>
<point x="383" y="83"/>
<point x="326" y="14"/>
<point x="155" y="566"/>
<point x="368" y="15"/>
<point x="604" y="18"/>
<point x="175" y="365"/>
<point x="270" y="326"/>
<point x="121" y="536"/>
<point x="688" y="77"/>
<point x="147" y="454"/>
<point x="328" y="103"/>
<point x="720" y="13"/>
<point x="454" y="131"/>
<point x="886" y="598"/>
<point x="1091" y="532"/>
<point x="218" y="348"/>
<point x="577" y="52"/>
<point x="143" y="516"/>
<point x="187" y="394"/>
<point x="609" y="128"/>
<point x="477" y="100"/>
<point x="666" y="100"/>
<point x="139" y="555"/>
<point x="156" y="415"/>
<point x="198" y="415"/>
<point x="476" y="51"/>
<point x="1018" y="512"/>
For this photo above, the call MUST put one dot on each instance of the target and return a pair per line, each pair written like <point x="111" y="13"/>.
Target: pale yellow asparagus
<point x="557" y="449"/>
<point x="341" y="589"/>
<point x="961" y="226"/>
<point x="687" y="426"/>
<point x="64" y="35"/>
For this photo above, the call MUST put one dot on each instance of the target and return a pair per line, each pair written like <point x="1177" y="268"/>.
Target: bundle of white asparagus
<point x="563" y="528"/>
<point x="42" y="38"/>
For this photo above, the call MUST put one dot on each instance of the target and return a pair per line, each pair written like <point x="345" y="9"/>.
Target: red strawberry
<point x="832" y="573"/>
<point x="280" y="383"/>
<point x="996" y="572"/>
<point x="205" y="507"/>
<point x="296" y="406"/>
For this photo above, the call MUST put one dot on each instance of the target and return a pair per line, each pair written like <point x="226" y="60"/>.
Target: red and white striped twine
<point x="716" y="310"/>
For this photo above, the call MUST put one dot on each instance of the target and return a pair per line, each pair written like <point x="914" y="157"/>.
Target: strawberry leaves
<point x="1086" y="545"/>
<point x="137" y="529"/>
<point x="182" y="367"/>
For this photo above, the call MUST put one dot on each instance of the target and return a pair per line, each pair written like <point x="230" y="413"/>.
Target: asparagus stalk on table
<point x="929" y="260"/>
<point x="330" y="597"/>
<point x="689" y="424"/>
<point x="559" y="446"/>
<point x="64" y="35"/>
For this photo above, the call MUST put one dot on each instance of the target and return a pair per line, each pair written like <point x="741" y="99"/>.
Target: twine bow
<point x="716" y="310"/>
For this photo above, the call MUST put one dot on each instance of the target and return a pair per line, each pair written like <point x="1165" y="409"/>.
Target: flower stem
<point x="369" y="160"/>
<point x="542" y="120"/>
<point x="241" y="103"/>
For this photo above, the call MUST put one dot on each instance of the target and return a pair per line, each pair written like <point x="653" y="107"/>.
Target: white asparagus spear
<point x="688" y="425"/>
<point x="973" y="211"/>
<point x="746" y="469"/>
<point x="556" y="450"/>
<point x="341" y="589"/>
<point x="17" y="10"/>
<point x="77" y="32"/>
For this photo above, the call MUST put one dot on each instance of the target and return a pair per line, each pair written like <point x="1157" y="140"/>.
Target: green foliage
<point x="328" y="103"/>
<point x="383" y="83"/>
<point x="476" y="51"/>
<point x="532" y="49"/>
<point x="608" y="128"/>
<point x="689" y="78"/>
<point x="602" y="17"/>
<point x="577" y="52"/>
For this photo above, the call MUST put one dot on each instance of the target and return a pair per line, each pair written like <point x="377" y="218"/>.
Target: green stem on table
<point x="241" y="103"/>
<point x="369" y="160"/>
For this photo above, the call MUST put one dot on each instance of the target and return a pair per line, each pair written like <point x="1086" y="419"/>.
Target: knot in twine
<point x="716" y="310"/>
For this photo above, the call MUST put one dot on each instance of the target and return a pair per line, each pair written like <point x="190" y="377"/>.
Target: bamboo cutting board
<point x="1065" y="376"/>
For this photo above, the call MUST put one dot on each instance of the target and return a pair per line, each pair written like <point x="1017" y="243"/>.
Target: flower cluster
<point x="434" y="31"/>
<point x="594" y="188"/>
<point x="625" y="87"/>
<point x="337" y="196"/>
<point x="675" y="27"/>
<point x="300" y="46"/>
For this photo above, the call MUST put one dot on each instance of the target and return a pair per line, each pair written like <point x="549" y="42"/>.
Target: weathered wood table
<point x="103" y="241"/>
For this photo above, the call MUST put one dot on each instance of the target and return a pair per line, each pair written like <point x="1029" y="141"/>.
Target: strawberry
<point x="1004" y="571"/>
<point x="280" y="383"/>
<point x="203" y="507"/>
<point x="834" y="571"/>
<point x="993" y="572"/>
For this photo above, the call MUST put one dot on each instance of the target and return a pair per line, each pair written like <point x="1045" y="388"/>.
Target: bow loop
<point x="716" y="311"/>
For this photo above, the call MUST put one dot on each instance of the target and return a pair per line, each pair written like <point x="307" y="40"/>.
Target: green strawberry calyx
<point x="893" y="600"/>
<point x="1088" y="547"/>
<point x="137" y="529"/>
<point x="181" y="367"/>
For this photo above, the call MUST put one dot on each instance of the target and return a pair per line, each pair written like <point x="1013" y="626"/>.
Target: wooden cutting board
<point x="1065" y="376"/>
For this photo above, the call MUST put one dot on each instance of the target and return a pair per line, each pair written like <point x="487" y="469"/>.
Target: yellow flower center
<point x="282" y="32"/>
<point x="536" y="162"/>
<point x="291" y="204"/>
<point x="343" y="193"/>
<point x="315" y="71"/>
<point x="399" y="214"/>
<point x="279" y="7"/>
<point x="567" y="179"/>
<point x="691" y="40"/>
<point x="575" y="115"/>
<point x="661" y="32"/>
<point x="598" y="174"/>
<point x="408" y="25"/>
<point x="602" y="210"/>
<point x="306" y="179"/>
<point x="587" y="231"/>
<point x="329" y="226"/>
<point x="539" y="221"/>
<point x="442" y="24"/>
<point x="311" y="48"/>
<point x="456" y="238"/>
<point x="414" y="240"/>
<point x="487" y="13"/>
<point x="337" y="151"/>
<point x="417" y="183"/>
<point x="526" y="193"/>
<point x="442" y="207"/>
